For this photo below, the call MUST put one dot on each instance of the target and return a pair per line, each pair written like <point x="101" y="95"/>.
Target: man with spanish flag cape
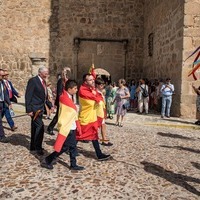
<point x="89" y="101"/>
<point x="67" y="125"/>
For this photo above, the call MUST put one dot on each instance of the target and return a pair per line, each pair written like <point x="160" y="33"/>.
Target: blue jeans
<point x="9" y="119"/>
<point x="166" y="105"/>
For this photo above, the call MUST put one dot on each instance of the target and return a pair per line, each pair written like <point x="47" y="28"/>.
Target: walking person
<point x="167" y="90"/>
<point x="101" y="111"/>
<point x="67" y="125"/>
<point x="89" y="100"/>
<point x="4" y="99"/>
<point x="12" y="93"/>
<point x="143" y="97"/>
<point x="197" y="91"/>
<point x="60" y="86"/>
<point x="122" y="101"/>
<point x="35" y="99"/>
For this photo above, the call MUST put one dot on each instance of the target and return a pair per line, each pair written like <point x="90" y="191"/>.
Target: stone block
<point x="188" y="43"/>
<point x="35" y="55"/>
<point x="192" y="8"/>
<point x="188" y="20"/>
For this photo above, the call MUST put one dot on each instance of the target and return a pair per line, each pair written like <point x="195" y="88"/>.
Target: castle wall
<point x="24" y="33"/>
<point x="164" y="20"/>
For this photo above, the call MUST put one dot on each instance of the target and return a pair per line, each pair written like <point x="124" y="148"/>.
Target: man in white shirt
<point x="167" y="91"/>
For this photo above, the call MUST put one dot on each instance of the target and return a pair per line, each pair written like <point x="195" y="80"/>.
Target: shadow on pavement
<point x="179" y="121"/>
<point x="177" y="179"/>
<point x="86" y="153"/>
<point x="174" y="136"/>
<point x="20" y="139"/>
<point x="182" y="148"/>
<point x="196" y="165"/>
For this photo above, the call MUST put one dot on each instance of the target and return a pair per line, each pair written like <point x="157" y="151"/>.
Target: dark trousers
<point x="37" y="133"/>
<point x="2" y="134"/>
<point x="9" y="119"/>
<point x="69" y="144"/>
<point x="97" y="148"/>
<point x="54" y="121"/>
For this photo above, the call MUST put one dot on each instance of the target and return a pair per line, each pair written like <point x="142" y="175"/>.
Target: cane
<point x="36" y="114"/>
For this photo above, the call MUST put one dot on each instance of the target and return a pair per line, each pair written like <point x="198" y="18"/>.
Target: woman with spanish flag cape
<point x="67" y="125"/>
<point x="89" y="101"/>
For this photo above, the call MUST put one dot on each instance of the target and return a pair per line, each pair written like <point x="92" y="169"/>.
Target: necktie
<point x="43" y="84"/>
<point x="9" y="89"/>
<point x="1" y="92"/>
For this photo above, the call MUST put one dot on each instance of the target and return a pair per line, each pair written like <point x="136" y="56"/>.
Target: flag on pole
<point x="92" y="71"/>
<point x="195" y="64"/>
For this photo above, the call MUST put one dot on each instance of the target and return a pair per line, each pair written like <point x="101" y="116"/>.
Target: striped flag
<point x="195" y="64"/>
<point x="101" y="110"/>
<point x="88" y="100"/>
<point x="92" y="71"/>
<point x="66" y="116"/>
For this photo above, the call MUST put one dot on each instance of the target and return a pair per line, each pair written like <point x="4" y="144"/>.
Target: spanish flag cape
<point x="101" y="109"/>
<point x="66" y="116"/>
<point x="88" y="100"/>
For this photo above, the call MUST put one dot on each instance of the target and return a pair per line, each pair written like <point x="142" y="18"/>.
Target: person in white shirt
<point x="143" y="97"/>
<point x="167" y="91"/>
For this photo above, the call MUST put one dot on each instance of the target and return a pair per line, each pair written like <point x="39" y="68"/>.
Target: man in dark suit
<point x="59" y="89"/>
<point x="4" y="99"/>
<point x="35" y="99"/>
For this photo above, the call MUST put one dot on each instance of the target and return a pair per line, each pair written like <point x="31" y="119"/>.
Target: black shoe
<point x="78" y="168"/>
<point x="45" y="165"/>
<point x="103" y="157"/>
<point x="50" y="132"/>
<point x="197" y="122"/>
<point x="85" y="141"/>
<point x="107" y="144"/>
<point x="4" y="139"/>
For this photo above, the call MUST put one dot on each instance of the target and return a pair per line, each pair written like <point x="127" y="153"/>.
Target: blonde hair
<point x="122" y="81"/>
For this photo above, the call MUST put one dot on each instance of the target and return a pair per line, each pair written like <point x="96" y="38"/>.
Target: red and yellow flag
<point x="92" y="71"/>
<point x="195" y="64"/>
<point x="88" y="100"/>
<point x="101" y="109"/>
<point x="66" y="116"/>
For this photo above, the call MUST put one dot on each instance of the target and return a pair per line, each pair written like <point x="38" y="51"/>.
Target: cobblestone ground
<point x="152" y="159"/>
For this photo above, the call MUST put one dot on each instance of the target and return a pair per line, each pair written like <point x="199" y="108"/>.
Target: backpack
<point x="144" y="92"/>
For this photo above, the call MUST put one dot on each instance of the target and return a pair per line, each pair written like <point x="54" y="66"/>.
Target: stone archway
<point x="107" y="54"/>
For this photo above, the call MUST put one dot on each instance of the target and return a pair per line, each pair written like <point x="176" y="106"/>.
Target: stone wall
<point x="114" y="19"/>
<point x="191" y="42"/>
<point x="164" y="20"/>
<point x="24" y="30"/>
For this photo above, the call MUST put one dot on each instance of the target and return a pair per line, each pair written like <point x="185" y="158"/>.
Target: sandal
<point x="121" y="124"/>
<point x="117" y="124"/>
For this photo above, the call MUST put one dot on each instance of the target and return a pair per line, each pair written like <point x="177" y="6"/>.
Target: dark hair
<point x="168" y="79"/>
<point x="85" y="75"/>
<point x="70" y="84"/>
<point x="99" y="81"/>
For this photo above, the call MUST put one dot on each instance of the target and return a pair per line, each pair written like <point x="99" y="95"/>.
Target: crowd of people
<point x="97" y="100"/>
<point x="144" y="95"/>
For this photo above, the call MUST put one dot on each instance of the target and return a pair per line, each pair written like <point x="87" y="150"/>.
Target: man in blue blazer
<point x="12" y="93"/>
<point x="4" y="99"/>
<point x="35" y="99"/>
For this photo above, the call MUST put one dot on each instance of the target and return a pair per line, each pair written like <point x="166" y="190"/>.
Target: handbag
<point x="125" y="105"/>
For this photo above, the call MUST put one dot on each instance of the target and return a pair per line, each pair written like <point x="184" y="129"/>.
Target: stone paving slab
<point x="149" y="162"/>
